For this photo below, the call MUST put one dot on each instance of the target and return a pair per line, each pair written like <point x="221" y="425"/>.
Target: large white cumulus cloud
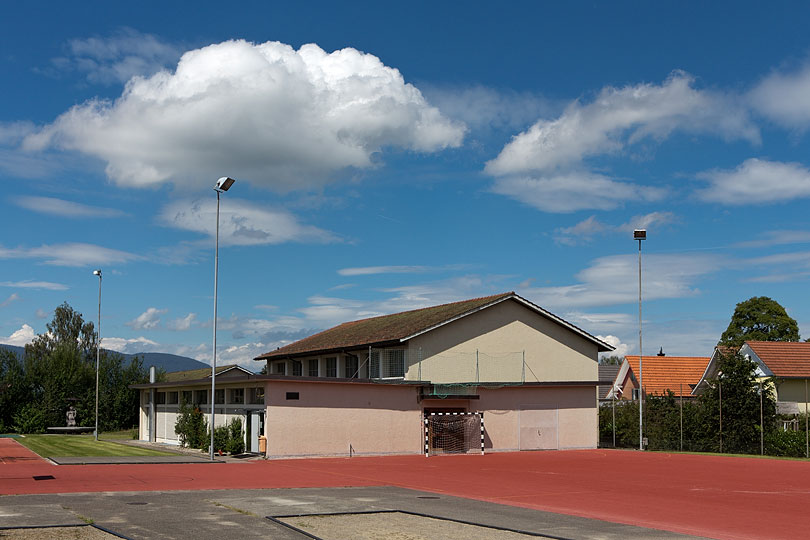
<point x="266" y="113"/>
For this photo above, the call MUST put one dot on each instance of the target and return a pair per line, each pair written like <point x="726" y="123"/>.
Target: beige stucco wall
<point x="792" y="390"/>
<point x="501" y="334"/>
<point x="576" y="414"/>
<point x="330" y="417"/>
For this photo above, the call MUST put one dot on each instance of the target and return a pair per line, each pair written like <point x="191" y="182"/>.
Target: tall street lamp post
<point x="223" y="184"/>
<point x="98" y="346"/>
<point x="640" y="234"/>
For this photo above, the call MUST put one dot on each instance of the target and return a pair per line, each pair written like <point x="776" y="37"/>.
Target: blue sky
<point x="391" y="157"/>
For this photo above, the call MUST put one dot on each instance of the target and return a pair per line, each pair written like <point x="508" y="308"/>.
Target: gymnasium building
<point x="497" y="373"/>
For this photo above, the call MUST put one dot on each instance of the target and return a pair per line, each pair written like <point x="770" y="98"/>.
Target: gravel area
<point x="395" y="526"/>
<point x="61" y="533"/>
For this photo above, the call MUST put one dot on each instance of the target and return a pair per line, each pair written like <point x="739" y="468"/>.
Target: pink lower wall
<point x="573" y="408"/>
<point x="329" y="417"/>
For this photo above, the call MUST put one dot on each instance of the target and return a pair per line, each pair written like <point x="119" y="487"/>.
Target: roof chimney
<point x="661" y="352"/>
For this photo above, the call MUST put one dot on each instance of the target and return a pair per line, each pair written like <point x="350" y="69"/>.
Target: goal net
<point x="454" y="433"/>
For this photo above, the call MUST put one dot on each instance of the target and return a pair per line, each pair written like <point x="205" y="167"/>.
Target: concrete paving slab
<point x="217" y="514"/>
<point x="42" y="515"/>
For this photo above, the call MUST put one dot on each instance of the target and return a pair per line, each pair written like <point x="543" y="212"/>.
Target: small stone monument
<point x="71" y="417"/>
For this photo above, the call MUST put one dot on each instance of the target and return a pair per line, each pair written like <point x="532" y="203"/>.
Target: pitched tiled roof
<point x="607" y="375"/>
<point x="194" y="374"/>
<point x="389" y="329"/>
<point x="784" y="358"/>
<point x="662" y="373"/>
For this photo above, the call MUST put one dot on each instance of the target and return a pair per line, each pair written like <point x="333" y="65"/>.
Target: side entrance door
<point x="255" y="427"/>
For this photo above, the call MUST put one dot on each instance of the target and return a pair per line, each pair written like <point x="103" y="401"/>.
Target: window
<point x="374" y="365"/>
<point x="219" y="396"/>
<point x="256" y="396"/>
<point x="351" y="367"/>
<point x="200" y="397"/>
<point x="635" y="393"/>
<point x="237" y="395"/>
<point x="292" y="395"/>
<point x="297" y="368"/>
<point x="395" y="364"/>
<point x="187" y="397"/>
<point x="160" y="398"/>
<point x="331" y="366"/>
<point x="171" y="398"/>
<point x="312" y="370"/>
<point x="281" y="368"/>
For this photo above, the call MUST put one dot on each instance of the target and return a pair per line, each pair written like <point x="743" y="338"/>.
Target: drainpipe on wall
<point x="151" y="405"/>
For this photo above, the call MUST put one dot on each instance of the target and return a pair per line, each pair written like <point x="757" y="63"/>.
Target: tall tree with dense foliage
<point x="740" y="406"/>
<point x="759" y="319"/>
<point x="59" y="370"/>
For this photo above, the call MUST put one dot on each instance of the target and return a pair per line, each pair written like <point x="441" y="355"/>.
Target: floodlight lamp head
<point x="97" y="272"/>
<point x="224" y="183"/>
<point x="640" y="234"/>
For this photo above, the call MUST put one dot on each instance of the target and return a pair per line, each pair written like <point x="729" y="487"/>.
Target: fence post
<point x="681" y="444"/>
<point x="613" y="402"/>
<point x="720" y="388"/>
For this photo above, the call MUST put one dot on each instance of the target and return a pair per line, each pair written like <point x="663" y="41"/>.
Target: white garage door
<point x="538" y="427"/>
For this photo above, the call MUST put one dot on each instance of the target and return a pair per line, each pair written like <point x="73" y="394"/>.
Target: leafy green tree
<point x="759" y="319"/>
<point x="59" y="370"/>
<point x="14" y="392"/>
<point x="740" y="407"/>
<point x="611" y="360"/>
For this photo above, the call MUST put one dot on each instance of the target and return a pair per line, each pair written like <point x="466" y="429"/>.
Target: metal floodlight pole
<point x="640" y="234"/>
<point x="223" y="184"/>
<point x="98" y="347"/>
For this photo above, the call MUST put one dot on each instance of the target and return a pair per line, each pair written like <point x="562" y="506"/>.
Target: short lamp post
<point x="222" y="185"/>
<point x="640" y="234"/>
<point x="98" y="346"/>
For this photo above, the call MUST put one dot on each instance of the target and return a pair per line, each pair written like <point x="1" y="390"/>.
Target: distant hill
<point x="169" y="362"/>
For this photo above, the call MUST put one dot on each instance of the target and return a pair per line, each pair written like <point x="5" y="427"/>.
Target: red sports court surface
<point x="715" y="496"/>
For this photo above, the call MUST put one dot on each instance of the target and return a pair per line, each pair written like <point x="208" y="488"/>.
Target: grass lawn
<point x="81" y="446"/>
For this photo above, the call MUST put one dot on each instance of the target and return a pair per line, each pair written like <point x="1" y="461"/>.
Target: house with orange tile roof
<point x="661" y="374"/>
<point x="370" y="387"/>
<point x="786" y="362"/>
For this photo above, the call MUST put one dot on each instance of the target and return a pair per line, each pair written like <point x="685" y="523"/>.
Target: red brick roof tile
<point x="784" y="358"/>
<point x="662" y="373"/>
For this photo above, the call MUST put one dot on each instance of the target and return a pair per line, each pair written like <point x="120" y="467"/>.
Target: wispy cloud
<point x="242" y="223"/>
<point x="117" y="58"/>
<point x="776" y="238"/>
<point x="756" y="182"/>
<point x="587" y="230"/>
<point x="62" y="208"/>
<point x="370" y="270"/>
<point x="784" y="97"/>
<point x="183" y="323"/>
<point x="70" y="254"/>
<point x="30" y="284"/>
<point x="13" y="298"/>
<point x="147" y="320"/>
<point x="545" y="166"/>
<point x="612" y="280"/>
